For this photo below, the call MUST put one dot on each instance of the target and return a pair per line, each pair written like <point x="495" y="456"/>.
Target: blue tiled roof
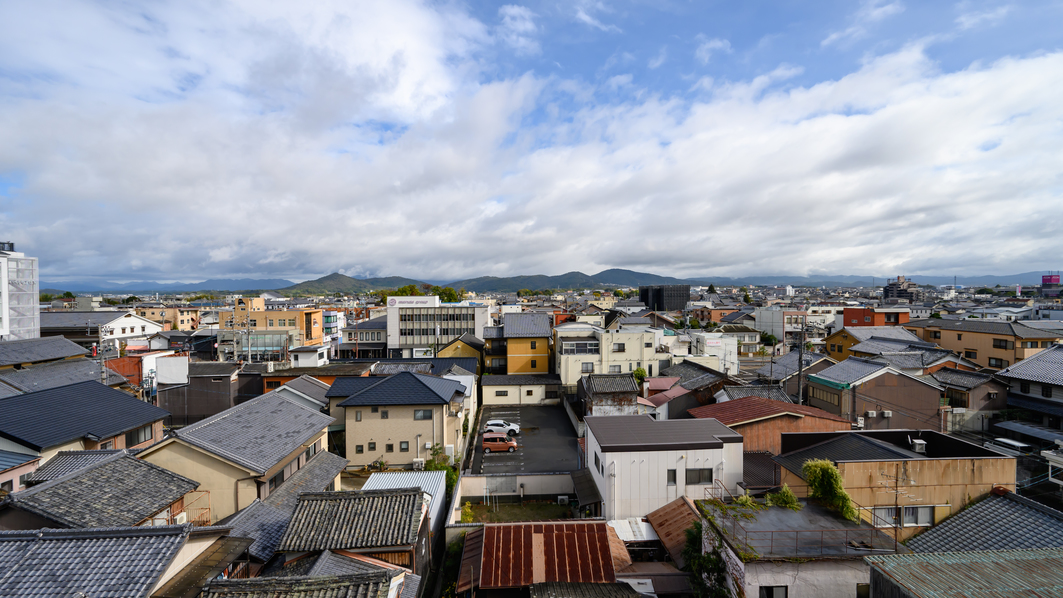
<point x="57" y="415"/>
<point x="997" y="523"/>
<point x="9" y="459"/>
<point x="407" y="389"/>
<point x="346" y="386"/>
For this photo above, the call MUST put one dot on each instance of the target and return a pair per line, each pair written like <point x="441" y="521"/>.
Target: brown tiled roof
<point x="752" y="408"/>
<point x="671" y="523"/>
<point x="521" y="554"/>
<point x="662" y="383"/>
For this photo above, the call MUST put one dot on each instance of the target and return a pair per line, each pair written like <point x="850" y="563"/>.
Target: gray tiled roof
<point x="558" y="589"/>
<point x="57" y="373"/>
<point x="627" y="433"/>
<point x="961" y="379"/>
<point x="380" y="323"/>
<point x="786" y="365"/>
<point x="9" y="459"/>
<point x="520" y="379"/>
<point x="847" y="447"/>
<point x="526" y="325"/>
<point x="257" y="434"/>
<point x="73" y="411"/>
<point x="982" y="574"/>
<point x="407" y="389"/>
<point x="102" y="563"/>
<point x="984" y="326"/>
<point x="1046" y="367"/>
<point x="492" y="332"/>
<point x="865" y="333"/>
<point x="324" y="564"/>
<point x="596" y="383"/>
<point x="997" y="523"/>
<point x="78" y="319"/>
<point x="877" y="345"/>
<point x="65" y="462"/>
<point x="388" y="369"/>
<point x="775" y="393"/>
<point x="691" y="376"/>
<point x="851" y="370"/>
<point x="265" y="521"/>
<point x="359" y="519"/>
<point x="363" y="585"/>
<point x="311" y="387"/>
<point x="38" y="349"/>
<point x="116" y="492"/>
<point x="346" y="386"/>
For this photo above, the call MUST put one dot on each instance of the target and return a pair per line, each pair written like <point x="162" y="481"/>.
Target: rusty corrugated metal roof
<point x="671" y="523"/>
<point x="521" y="554"/>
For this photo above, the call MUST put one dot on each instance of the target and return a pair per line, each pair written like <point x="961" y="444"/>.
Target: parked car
<point x="501" y="426"/>
<point x="498" y="442"/>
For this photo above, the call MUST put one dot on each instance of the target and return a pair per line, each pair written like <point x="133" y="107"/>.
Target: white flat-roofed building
<point x="640" y="464"/>
<point x="419" y="326"/>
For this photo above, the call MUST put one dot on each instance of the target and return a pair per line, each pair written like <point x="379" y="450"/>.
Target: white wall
<point x="172" y="370"/>
<point x="813" y="579"/>
<point x="635" y="484"/>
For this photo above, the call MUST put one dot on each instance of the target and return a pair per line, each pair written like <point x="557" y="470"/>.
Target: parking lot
<point x="546" y="443"/>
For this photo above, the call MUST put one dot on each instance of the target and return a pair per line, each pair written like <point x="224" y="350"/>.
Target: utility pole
<point x="103" y="331"/>
<point x="801" y="365"/>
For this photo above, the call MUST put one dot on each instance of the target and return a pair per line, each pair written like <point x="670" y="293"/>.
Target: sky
<point x="444" y="140"/>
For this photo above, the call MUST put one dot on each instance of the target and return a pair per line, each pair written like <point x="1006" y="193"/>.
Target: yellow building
<point x="990" y="344"/>
<point x="838" y="344"/>
<point x="521" y="345"/>
<point x="252" y="313"/>
<point x="247" y="452"/>
<point x="179" y="317"/>
<point x="466" y="345"/>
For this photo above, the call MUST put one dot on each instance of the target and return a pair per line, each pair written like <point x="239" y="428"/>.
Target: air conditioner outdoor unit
<point x="859" y="422"/>
<point x="562" y="499"/>
<point x="428" y="446"/>
<point x="181" y="518"/>
<point x="919" y="446"/>
<point x="418" y="464"/>
<point x="887" y="414"/>
<point x="872" y="414"/>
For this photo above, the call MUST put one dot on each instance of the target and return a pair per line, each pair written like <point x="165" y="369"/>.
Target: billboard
<point x="430" y="301"/>
<point x="1050" y="279"/>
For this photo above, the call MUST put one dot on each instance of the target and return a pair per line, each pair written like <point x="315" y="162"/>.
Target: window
<point x="533" y="345"/>
<point x="597" y="462"/>
<point x="1029" y="344"/>
<point x="998" y="363"/>
<point x="1046" y="391"/>
<point x="372" y="446"/>
<point x="957" y="398"/>
<point x="254" y="323"/>
<point x="291" y="322"/>
<point x="999" y="343"/>
<point x="383" y="414"/>
<point x="107" y="445"/>
<point x="699" y="476"/>
<point x="501" y="393"/>
<point x="528" y="393"/>
<point x="389" y="448"/>
<point x="969" y="354"/>
<point x="822" y="395"/>
<point x="1024" y="387"/>
<point x="934" y="334"/>
<point x="867" y="318"/>
<point x="918" y="515"/>
<point x="276" y="481"/>
<point x="374" y="409"/>
<point x="618" y="347"/>
<point x="404" y="446"/>
<point x="648" y="345"/>
<point x="773" y="592"/>
<point x="7" y="486"/>
<point x="884" y="516"/>
<point x="358" y="415"/>
<point x="422" y="414"/>
<point x="143" y="328"/>
<point x="22" y="480"/>
<point x="135" y="437"/>
<point x="614" y="369"/>
<point x="271" y="384"/>
<point x="123" y="329"/>
<point x="587" y="367"/>
<point x="671" y="477"/>
<point x="533" y="364"/>
<point x="269" y="323"/>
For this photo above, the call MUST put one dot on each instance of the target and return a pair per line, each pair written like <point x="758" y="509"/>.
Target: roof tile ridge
<point x="33" y="490"/>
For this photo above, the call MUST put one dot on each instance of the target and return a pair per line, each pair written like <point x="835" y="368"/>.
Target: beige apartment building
<point x="171" y="318"/>
<point x="990" y="344"/>
<point x="269" y="332"/>
<point x="581" y="349"/>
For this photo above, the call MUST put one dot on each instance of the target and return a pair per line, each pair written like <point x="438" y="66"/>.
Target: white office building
<point x="20" y="309"/>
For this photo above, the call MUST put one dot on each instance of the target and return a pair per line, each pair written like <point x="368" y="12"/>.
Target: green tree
<point x="984" y="291"/>
<point x="68" y="295"/>
<point x="709" y="579"/>
<point x="47" y="297"/>
<point x="825" y="484"/>
<point x="712" y="288"/>
<point x="618" y="294"/>
<point x="935" y="315"/>
<point x="409" y="290"/>
<point x="131" y="299"/>
<point x="747" y="298"/>
<point x="768" y="339"/>
<point x="640" y="375"/>
<point x="439" y="461"/>
<point x="695" y="324"/>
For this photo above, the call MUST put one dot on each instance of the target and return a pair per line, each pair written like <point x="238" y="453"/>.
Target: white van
<point x="1009" y="447"/>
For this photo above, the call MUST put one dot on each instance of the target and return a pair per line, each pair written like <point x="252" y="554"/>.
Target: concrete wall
<point x="506" y="487"/>
<point x="812" y="579"/>
<point x="231" y="488"/>
<point x="533" y="394"/>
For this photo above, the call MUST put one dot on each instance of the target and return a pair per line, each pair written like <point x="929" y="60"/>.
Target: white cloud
<point x="970" y="20"/>
<point x="584" y="10"/>
<point x="707" y="47"/>
<point x="518" y="29"/>
<point x="619" y="81"/>
<point x="659" y="59"/>
<point x="870" y="13"/>
<point x="296" y="155"/>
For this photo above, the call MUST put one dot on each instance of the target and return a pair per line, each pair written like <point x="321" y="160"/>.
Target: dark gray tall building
<point x="669" y="297"/>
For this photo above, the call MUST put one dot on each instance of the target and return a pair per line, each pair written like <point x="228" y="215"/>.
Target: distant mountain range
<point x="339" y="283"/>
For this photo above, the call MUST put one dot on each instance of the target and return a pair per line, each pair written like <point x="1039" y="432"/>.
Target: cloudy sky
<point x="440" y="140"/>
